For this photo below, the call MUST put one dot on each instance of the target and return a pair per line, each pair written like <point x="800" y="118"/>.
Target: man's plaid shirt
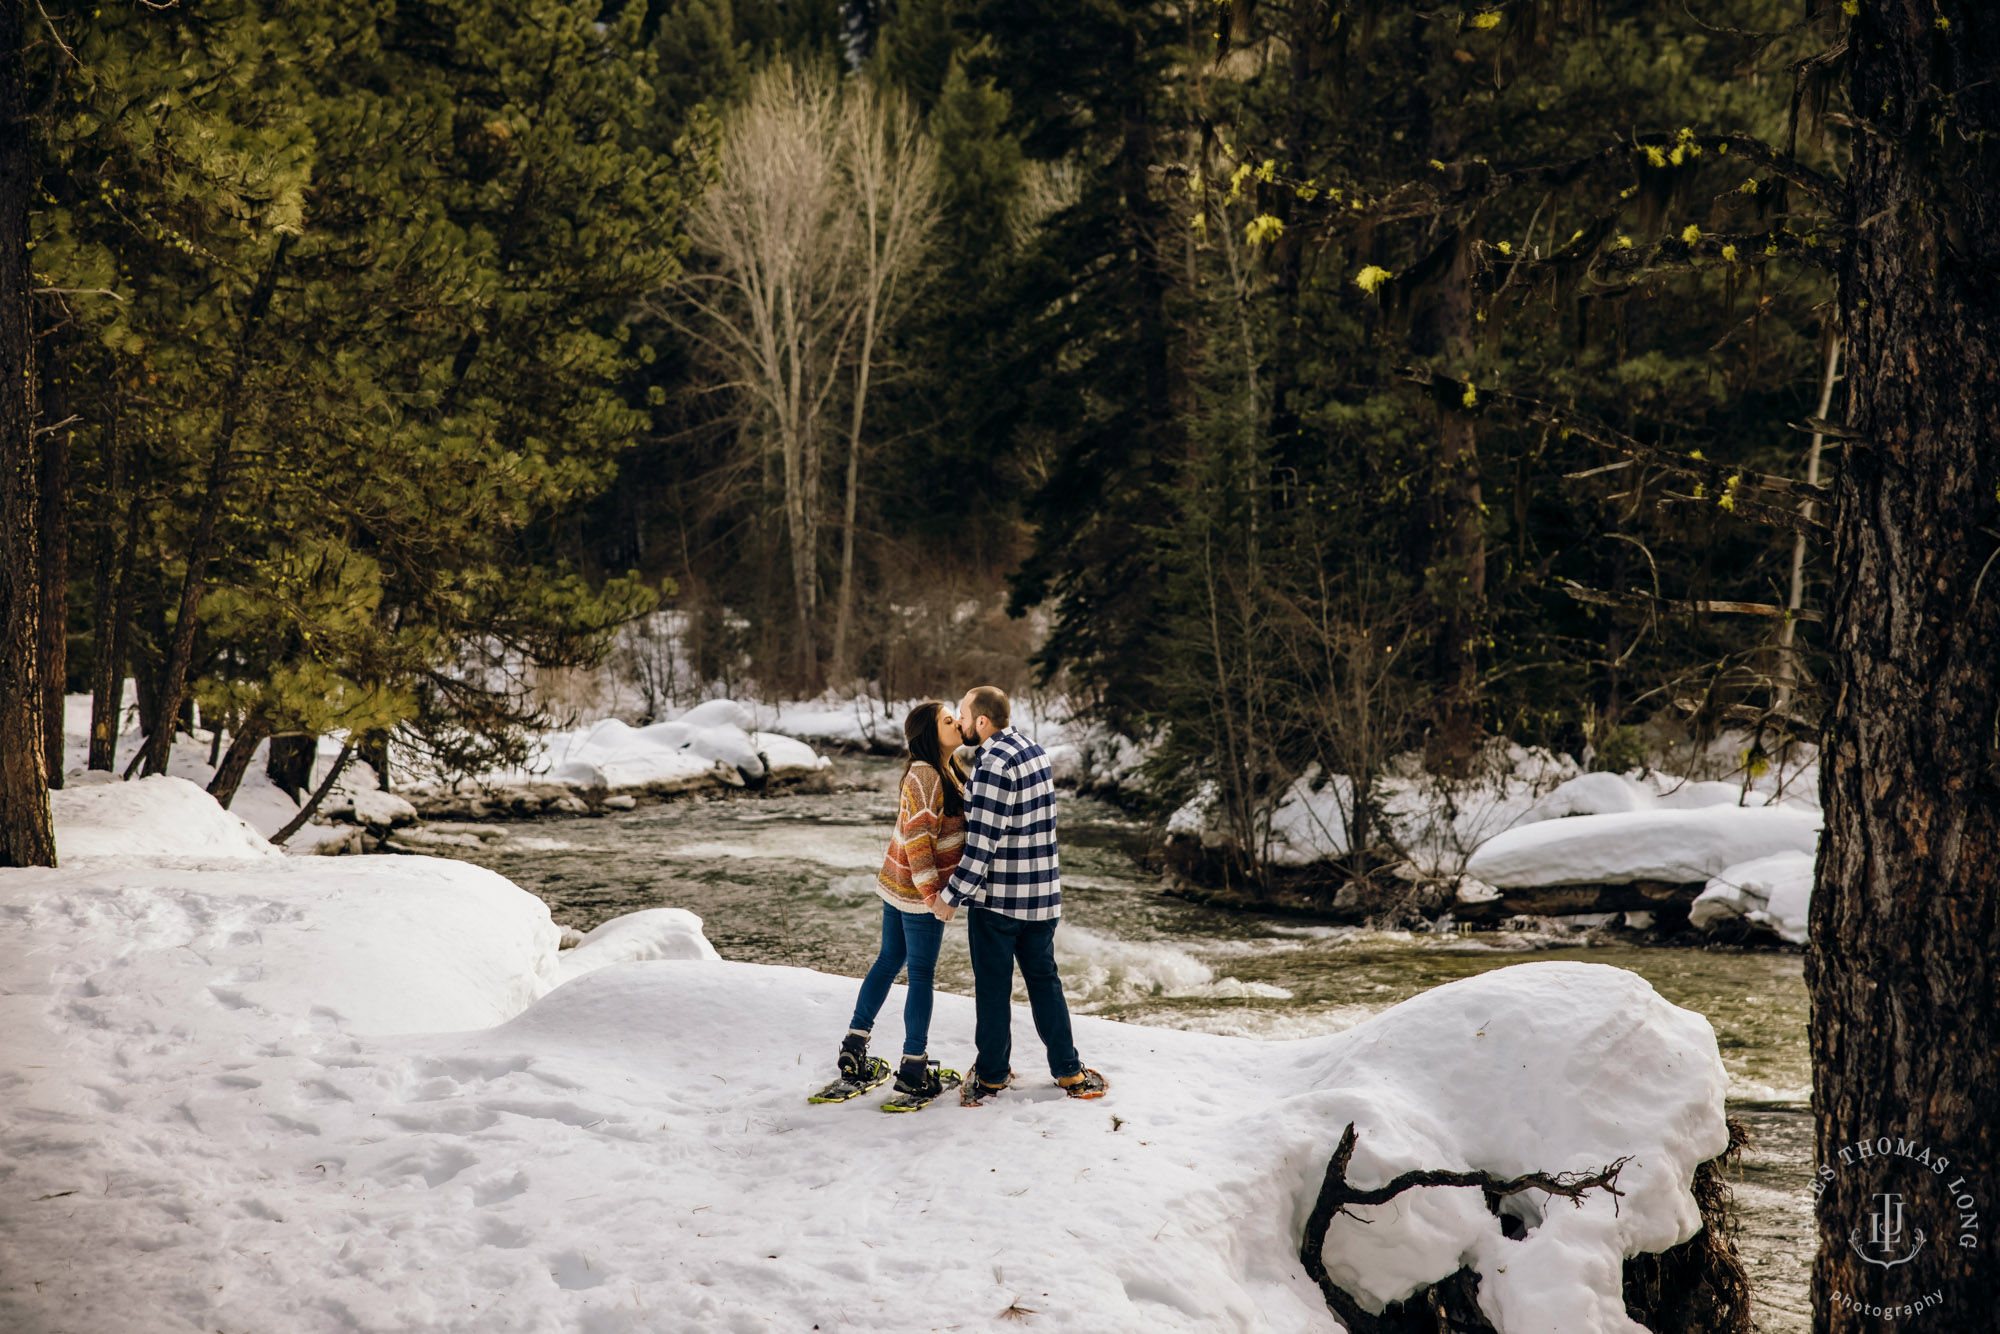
<point x="1009" y="864"/>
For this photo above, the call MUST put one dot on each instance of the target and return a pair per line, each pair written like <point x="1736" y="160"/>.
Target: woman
<point x="929" y="839"/>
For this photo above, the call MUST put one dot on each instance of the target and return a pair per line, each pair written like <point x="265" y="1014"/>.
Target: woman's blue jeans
<point x="909" y="939"/>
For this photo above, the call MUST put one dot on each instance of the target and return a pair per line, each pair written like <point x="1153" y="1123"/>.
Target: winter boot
<point x="853" y="1060"/>
<point x="918" y="1077"/>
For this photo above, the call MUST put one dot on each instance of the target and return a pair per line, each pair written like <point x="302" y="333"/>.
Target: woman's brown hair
<point x="920" y="736"/>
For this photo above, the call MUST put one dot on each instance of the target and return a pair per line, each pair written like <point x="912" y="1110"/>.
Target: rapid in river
<point x="787" y="879"/>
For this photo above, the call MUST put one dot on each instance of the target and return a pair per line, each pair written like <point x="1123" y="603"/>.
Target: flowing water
<point x="787" y="879"/>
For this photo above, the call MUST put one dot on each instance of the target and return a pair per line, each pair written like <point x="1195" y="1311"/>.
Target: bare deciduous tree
<point x="775" y="305"/>
<point x="813" y="230"/>
<point x="891" y="173"/>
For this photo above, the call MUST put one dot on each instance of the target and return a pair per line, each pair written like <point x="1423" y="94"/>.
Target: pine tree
<point x="26" y="835"/>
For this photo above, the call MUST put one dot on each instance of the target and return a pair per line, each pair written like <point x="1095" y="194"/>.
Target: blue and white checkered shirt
<point x="1009" y="864"/>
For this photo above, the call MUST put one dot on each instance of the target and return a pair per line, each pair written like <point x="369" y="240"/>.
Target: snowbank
<point x="159" y="817"/>
<point x="714" y="744"/>
<point x="1613" y="794"/>
<point x="1665" y="845"/>
<point x="334" y="1095"/>
<point x="1774" y="892"/>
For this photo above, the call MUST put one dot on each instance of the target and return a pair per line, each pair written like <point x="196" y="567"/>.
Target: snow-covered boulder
<point x="786" y="757"/>
<point x="720" y="713"/>
<point x="1592" y="794"/>
<point x="1677" y="846"/>
<point x="1538" y="1067"/>
<point x="1683" y="795"/>
<point x="664" y="757"/>
<point x="370" y="806"/>
<point x="1772" y="892"/>
<point x="152" y="819"/>
<point x="650" y="933"/>
<point x="1310" y="823"/>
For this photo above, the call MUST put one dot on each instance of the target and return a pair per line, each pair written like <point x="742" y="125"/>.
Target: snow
<point x="1586" y="1047"/>
<point x="370" y="1093"/>
<point x="712" y="744"/>
<point x="157" y="817"/>
<point x="368" y="804"/>
<point x="1670" y="845"/>
<point x="1773" y="892"/>
<point x="1612" y="794"/>
<point x="650" y="933"/>
<point x="1310" y="823"/>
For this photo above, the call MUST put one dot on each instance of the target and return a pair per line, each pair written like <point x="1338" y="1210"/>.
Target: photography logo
<point x="1917" y="1199"/>
<point x="1886" y="1235"/>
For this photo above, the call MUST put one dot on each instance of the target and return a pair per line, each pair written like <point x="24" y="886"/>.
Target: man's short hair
<point x="992" y="702"/>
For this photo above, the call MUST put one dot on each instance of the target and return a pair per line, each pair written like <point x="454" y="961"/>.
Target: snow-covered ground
<point x="255" y="1092"/>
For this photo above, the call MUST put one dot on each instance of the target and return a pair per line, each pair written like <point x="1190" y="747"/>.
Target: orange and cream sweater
<point x="926" y="845"/>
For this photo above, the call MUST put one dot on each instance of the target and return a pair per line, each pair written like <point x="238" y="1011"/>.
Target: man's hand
<point x="943" y="911"/>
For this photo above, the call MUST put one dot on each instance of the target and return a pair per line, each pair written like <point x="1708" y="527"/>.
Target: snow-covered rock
<point x="1773" y="892"/>
<point x="662" y="758"/>
<point x="786" y="758"/>
<point x="706" y="747"/>
<point x="650" y="933"/>
<point x="1504" y="1073"/>
<point x="1310" y="823"/>
<point x="329" y="1095"/>
<point x="1592" y="794"/>
<point x="152" y="819"/>
<point x="1683" y="795"/>
<point x="1677" y="846"/>
<point x="370" y="806"/>
<point x="720" y="713"/>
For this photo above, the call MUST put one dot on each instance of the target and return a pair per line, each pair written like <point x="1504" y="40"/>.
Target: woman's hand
<point x="941" y="910"/>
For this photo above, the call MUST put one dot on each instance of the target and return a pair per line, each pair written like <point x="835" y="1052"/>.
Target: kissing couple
<point x="984" y="841"/>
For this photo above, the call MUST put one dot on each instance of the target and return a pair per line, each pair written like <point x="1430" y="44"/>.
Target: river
<point x="787" y="879"/>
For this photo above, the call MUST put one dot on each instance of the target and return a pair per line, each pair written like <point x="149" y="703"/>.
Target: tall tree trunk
<point x="113" y="616"/>
<point x="844" y="611"/>
<point x="802" y="528"/>
<point x="289" y="763"/>
<point x="298" y="822"/>
<point x="1460" y="550"/>
<point x="53" y="650"/>
<point x="1906" y="909"/>
<point x="201" y="546"/>
<point x="27" y="838"/>
<point x="242" y="747"/>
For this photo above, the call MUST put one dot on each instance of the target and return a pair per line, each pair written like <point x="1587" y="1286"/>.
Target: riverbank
<point x="313" y="1095"/>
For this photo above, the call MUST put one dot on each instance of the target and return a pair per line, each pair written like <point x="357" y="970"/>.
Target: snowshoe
<point x="1084" y="1084"/>
<point x="873" y="1076"/>
<point x="918" y="1086"/>
<point x="975" y="1091"/>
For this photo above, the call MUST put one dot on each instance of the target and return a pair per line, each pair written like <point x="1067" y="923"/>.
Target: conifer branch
<point x="1720" y="483"/>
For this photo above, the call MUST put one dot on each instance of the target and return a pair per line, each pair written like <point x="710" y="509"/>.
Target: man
<point x="1008" y="876"/>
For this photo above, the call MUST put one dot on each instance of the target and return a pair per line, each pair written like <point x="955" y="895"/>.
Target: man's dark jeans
<point x="996" y="942"/>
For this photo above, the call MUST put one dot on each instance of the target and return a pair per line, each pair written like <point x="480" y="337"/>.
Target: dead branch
<point x="1336" y="1196"/>
<point x="1648" y="602"/>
